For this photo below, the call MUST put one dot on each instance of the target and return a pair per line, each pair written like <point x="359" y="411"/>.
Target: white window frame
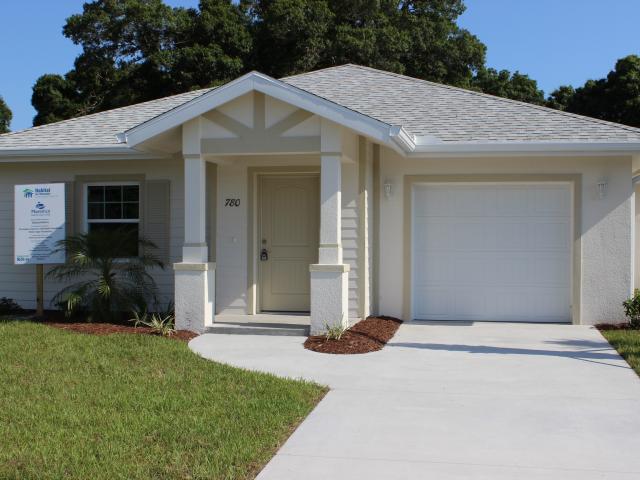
<point x="85" y="203"/>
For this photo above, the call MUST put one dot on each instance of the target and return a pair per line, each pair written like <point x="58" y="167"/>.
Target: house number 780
<point x="232" y="202"/>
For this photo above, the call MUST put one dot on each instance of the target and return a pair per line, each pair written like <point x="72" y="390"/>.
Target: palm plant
<point x="105" y="284"/>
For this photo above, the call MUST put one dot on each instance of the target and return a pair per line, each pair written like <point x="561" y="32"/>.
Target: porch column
<point x="195" y="275"/>
<point x="330" y="277"/>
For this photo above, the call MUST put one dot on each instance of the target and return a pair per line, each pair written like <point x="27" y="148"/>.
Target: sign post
<point x="39" y="224"/>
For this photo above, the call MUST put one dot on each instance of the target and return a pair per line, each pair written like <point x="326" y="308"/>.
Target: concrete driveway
<point x="456" y="401"/>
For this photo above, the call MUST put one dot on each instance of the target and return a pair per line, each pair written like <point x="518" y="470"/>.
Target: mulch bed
<point x="614" y="326"/>
<point x="56" y="319"/>
<point x="368" y="335"/>
<point x="111" y="328"/>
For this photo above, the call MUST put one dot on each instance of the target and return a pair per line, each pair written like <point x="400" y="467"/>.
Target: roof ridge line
<point x="503" y="99"/>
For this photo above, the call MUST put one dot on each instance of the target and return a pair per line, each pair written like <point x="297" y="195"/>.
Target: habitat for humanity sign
<point x="39" y="223"/>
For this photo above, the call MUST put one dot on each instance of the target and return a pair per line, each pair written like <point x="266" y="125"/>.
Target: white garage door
<point x="495" y="252"/>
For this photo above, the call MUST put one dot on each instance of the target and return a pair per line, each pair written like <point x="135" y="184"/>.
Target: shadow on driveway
<point x="590" y="351"/>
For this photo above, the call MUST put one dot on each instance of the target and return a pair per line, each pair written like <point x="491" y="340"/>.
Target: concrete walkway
<point x="482" y="401"/>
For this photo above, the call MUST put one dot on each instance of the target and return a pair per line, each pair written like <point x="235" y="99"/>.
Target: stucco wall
<point x="18" y="281"/>
<point x="606" y="225"/>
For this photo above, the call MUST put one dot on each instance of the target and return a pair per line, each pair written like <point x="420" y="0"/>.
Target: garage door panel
<point x="492" y="252"/>
<point x="551" y="201"/>
<point x="439" y="304"/>
<point x="550" y="235"/>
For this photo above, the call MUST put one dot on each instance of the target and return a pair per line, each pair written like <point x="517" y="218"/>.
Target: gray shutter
<point x="69" y="206"/>
<point x="156" y="216"/>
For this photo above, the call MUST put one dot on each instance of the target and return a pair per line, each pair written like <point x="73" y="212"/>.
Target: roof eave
<point x="485" y="149"/>
<point x="120" y="152"/>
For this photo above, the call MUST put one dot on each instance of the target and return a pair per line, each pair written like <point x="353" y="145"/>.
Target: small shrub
<point x="9" y="306"/>
<point x="334" y="332"/>
<point x="632" y="309"/>
<point x="161" y="323"/>
<point x="105" y="285"/>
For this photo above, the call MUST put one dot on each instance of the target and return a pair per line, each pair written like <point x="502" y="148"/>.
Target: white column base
<point x="329" y="297"/>
<point x="195" y="289"/>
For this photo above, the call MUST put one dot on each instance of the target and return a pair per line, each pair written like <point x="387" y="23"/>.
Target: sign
<point x="39" y="223"/>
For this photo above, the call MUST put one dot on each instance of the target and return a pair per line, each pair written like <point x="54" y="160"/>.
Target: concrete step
<point x="254" y="328"/>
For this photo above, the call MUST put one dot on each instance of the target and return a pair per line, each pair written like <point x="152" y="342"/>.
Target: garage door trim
<point x="575" y="182"/>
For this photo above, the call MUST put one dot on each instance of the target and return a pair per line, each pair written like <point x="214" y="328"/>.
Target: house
<point x="347" y="191"/>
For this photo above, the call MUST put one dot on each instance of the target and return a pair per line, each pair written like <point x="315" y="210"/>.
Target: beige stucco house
<point x="348" y="191"/>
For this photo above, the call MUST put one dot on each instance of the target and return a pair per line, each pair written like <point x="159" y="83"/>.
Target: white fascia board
<point x="403" y="139"/>
<point x="469" y="149"/>
<point x="189" y="110"/>
<point x="54" y="154"/>
<point x="375" y="129"/>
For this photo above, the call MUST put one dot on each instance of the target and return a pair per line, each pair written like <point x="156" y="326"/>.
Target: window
<point x="115" y="207"/>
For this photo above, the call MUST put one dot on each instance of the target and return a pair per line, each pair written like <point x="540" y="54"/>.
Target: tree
<point x="289" y="36"/>
<point x="415" y="37"/>
<point x="615" y="98"/>
<point x="54" y="98"/>
<point x="560" y="98"/>
<point x="515" y="86"/>
<point x="5" y="116"/>
<point x="138" y="50"/>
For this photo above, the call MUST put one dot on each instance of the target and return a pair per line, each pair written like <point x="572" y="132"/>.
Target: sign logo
<point x="28" y="193"/>
<point x="40" y="206"/>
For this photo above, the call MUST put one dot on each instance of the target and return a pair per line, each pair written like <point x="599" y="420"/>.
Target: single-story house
<point x="349" y="191"/>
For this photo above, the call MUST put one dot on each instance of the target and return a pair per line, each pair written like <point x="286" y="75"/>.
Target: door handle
<point x="264" y="255"/>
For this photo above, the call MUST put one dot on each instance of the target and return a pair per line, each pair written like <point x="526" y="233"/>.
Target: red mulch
<point x="368" y="335"/>
<point x="111" y="328"/>
<point x="614" y="326"/>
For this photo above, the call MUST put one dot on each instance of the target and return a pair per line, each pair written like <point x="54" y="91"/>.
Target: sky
<point x="556" y="42"/>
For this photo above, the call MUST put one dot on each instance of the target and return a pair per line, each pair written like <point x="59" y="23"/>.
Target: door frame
<point x="253" y="243"/>
<point x="573" y="180"/>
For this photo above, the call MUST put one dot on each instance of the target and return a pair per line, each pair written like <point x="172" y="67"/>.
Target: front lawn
<point x="627" y="343"/>
<point x="135" y="406"/>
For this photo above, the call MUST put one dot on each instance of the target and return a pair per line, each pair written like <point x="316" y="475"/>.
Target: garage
<point x="492" y="251"/>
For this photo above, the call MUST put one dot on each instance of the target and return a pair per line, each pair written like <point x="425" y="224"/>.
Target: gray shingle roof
<point x="423" y="108"/>
<point x="452" y="114"/>
<point x="95" y="130"/>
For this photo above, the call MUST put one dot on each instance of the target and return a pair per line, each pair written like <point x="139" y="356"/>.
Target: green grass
<point x="627" y="343"/>
<point x="135" y="406"/>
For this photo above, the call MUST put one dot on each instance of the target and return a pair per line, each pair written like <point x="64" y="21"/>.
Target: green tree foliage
<point x="418" y="38"/>
<point x="515" y="86"/>
<point x="5" y="116"/>
<point x="615" y="98"/>
<point x="138" y="50"/>
<point x="559" y="98"/>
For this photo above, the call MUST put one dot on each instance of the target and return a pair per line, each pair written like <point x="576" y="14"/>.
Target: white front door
<point x="497" y="252"/>
<point x="288" y="234"/>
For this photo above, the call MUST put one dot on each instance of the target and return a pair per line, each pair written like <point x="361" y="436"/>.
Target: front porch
<point x="229" y="153"/>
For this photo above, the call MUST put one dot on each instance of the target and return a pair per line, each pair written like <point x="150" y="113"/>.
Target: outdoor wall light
<point x="388" y="189"/>
<point x="602" y="189"/>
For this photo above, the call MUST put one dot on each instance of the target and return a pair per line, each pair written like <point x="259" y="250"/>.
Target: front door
<point x="288" y="233"/>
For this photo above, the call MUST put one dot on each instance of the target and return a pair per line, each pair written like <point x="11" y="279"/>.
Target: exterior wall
<point x="18" y="281"/>
<point x="606" y="226"/>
